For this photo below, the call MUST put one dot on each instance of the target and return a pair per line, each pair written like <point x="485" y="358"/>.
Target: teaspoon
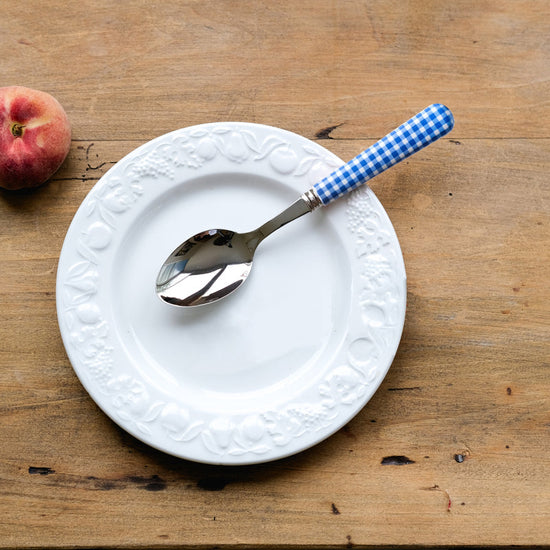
<point x="212" y="264"/>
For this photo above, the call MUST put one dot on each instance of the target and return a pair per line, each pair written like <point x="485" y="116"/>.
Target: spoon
<point x="212" y="264"/>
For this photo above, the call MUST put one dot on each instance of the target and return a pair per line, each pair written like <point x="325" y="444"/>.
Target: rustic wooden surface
<point x="466" y="403"/>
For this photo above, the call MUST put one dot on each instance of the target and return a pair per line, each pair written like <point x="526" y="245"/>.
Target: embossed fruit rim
<point x="267" y="434"/>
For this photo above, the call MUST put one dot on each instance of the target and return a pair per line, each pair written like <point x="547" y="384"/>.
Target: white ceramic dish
<point x="274" y="368"/>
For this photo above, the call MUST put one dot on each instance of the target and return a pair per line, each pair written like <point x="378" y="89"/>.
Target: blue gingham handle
<point x="422" y="129"/>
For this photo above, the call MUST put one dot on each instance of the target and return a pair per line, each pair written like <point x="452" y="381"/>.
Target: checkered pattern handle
<point x="422" y="129"/>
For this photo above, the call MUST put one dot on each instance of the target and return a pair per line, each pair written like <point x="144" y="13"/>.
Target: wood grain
<point x="127" y="71"/>
<point x="454" y="448"/>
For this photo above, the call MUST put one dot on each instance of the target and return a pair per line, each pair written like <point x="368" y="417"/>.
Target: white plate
<point x="276" y="367"/>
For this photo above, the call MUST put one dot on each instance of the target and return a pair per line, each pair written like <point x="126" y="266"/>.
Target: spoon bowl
<point x="205" y="268"/>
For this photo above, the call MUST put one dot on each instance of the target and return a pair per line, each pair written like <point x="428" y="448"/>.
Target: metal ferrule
<point x="312" y="199"/>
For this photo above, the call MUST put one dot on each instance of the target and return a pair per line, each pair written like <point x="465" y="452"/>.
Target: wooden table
<point x="453" y="450"/>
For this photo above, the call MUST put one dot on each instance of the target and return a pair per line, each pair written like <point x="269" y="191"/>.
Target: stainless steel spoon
<point x="214" y="263"/>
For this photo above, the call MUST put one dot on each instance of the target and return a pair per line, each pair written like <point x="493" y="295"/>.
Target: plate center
<point x="265" y="341"/>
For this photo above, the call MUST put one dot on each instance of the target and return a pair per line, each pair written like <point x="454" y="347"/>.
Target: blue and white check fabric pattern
<point x="422" y="129"/>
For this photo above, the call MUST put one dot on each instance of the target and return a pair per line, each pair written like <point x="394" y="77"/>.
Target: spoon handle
<point x="422" y="129"/>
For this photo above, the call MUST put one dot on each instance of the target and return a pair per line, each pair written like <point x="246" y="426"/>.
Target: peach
<point x="35" y="137"/>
